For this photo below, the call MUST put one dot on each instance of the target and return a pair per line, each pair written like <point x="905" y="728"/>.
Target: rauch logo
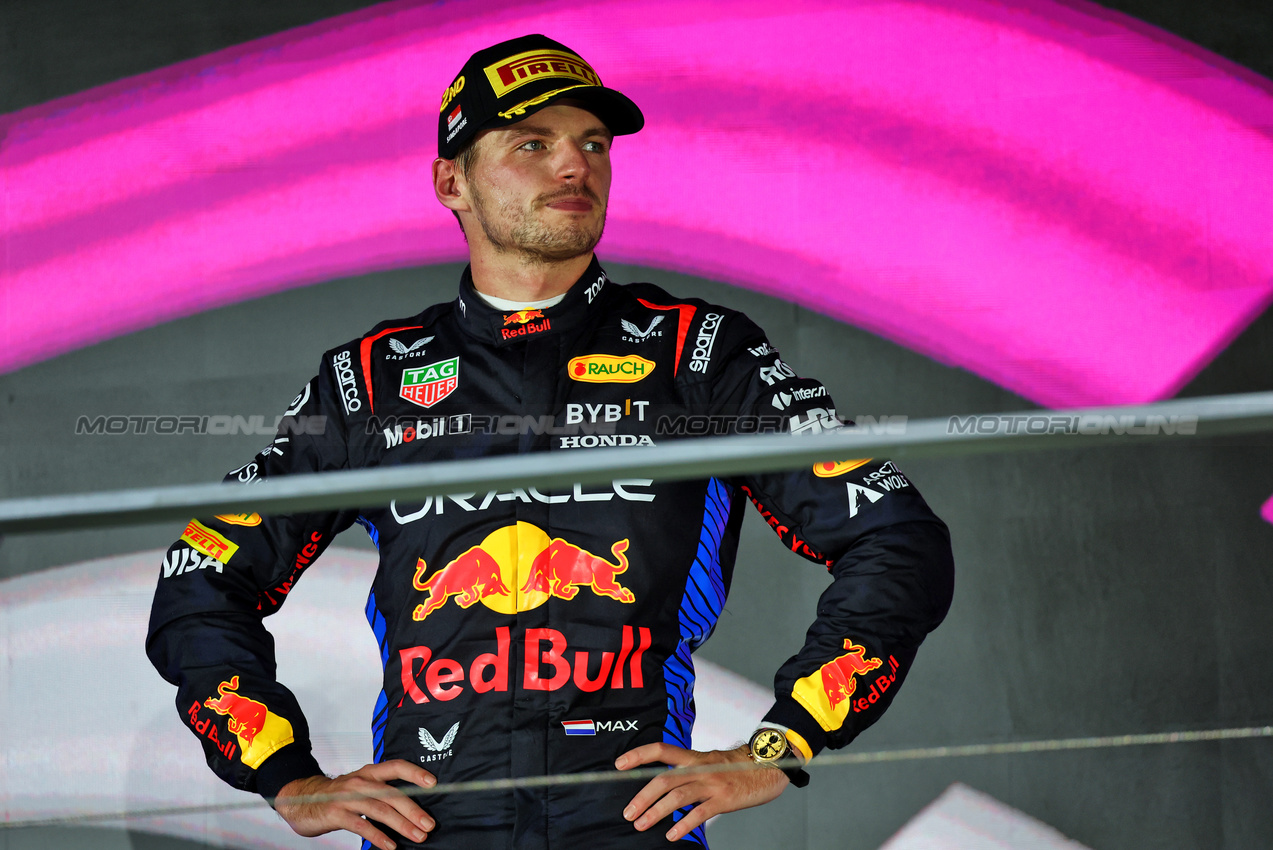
<point x="609" y="369"/>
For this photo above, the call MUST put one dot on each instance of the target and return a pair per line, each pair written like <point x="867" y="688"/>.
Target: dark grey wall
<point x="1100" y="591"/>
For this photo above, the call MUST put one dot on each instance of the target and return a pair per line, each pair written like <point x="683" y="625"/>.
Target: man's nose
<point x="572" y="163"/>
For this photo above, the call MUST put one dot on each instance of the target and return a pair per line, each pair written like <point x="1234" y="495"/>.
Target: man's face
<point x="539" y="188"/>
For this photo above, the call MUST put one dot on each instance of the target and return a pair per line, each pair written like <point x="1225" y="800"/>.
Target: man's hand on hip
<point x="383" y="803"/>
<point x="715" y="793"/>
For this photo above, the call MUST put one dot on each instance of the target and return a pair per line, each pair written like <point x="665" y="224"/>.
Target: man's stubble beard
<point x="529" y="237"/>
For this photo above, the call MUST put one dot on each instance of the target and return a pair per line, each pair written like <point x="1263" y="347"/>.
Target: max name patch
<point x="609" y="368"/>
<point x="209" y="542"/>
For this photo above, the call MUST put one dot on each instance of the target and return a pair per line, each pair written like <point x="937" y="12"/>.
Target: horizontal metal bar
<point x="560" y="780"/>
<point x="675" y="460"/>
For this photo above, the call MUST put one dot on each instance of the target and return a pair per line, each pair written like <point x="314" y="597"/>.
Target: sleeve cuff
<point x="289" y="763"/>
<point x="787" y="712"/>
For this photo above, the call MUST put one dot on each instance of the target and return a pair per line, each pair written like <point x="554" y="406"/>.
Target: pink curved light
<point x="1054" y="197"/>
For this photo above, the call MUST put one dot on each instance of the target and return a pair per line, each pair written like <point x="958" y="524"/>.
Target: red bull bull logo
<point x="827" y="693"/>
<point x="521" y="317"/>
<point x="259" y="731"/>
<point x="517" y="568"/>
<point x="839" y="676"/>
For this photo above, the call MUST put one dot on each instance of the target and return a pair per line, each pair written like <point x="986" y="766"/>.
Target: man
<point x="529" y="633"/>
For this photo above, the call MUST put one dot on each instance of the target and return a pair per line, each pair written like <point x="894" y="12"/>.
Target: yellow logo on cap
<point x="527" y="67"/>
<point x="450" y="93"/>
<point x="520" y="109"/>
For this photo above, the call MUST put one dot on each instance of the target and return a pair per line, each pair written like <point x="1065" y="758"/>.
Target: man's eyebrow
<point x="533" y="130"/>
<point x="529" y="130"/>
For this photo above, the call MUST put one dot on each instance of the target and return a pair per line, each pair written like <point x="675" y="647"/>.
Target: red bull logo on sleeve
<point x="517" y="568"/>
<point x="259" y="731"/>
<point x="827" y="693"/>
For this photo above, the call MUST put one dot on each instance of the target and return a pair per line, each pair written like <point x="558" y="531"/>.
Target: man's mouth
<point x="582" y="205"/>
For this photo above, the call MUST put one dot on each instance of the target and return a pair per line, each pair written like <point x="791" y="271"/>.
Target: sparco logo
<point x="706" y="339"/>
<point x="348" y="389"/>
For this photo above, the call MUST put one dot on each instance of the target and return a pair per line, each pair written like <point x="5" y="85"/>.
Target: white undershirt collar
<point x="510" y="306"/>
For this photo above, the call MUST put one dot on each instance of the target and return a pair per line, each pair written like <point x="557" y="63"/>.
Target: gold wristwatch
<point x="769" y="746"/>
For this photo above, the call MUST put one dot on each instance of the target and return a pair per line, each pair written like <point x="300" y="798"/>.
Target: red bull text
<point x="879" y="687"/>
<point x="524" y="323"/>
<point x="547" y="665"/>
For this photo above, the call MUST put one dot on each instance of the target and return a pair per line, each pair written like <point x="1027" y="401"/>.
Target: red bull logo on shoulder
<point x="519" y="567"/>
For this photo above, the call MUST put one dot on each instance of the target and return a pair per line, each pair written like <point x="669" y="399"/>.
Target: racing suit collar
<point x="500" y="327"/>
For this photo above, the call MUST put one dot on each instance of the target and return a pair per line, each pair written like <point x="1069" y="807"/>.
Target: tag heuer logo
<point x="430" y="384"/>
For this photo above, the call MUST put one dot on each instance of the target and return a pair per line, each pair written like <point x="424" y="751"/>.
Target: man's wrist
<point x="781" y="748"/>
<point x="288" y="764"/>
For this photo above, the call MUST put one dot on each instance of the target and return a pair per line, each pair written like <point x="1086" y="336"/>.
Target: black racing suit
<point x="526" y="633"/>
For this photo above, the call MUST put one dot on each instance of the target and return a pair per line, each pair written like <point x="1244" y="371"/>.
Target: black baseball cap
<point x="503" y="84"/>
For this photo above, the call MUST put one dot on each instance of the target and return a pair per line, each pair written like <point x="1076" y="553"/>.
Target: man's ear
<point x="449" y="185"/>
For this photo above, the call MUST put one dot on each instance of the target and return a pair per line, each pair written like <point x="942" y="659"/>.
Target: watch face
<point x="768" y="745"/>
